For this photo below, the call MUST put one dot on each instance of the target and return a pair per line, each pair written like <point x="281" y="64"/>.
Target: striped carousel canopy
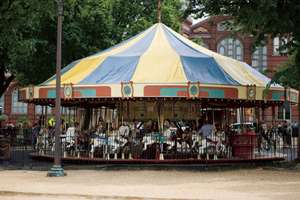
<point x="158" y="63"/>
<point x="159" y="55"/>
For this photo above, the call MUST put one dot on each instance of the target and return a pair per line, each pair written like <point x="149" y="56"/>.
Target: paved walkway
<point x="146" y="184"/>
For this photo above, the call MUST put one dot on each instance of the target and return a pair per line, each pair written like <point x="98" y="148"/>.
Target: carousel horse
<point x="69" y="140"/>
<point x="211" y="146"/>
<point x="182" y="140"/>
<point x="111" y="144"/>
<point x="42" y="141"/>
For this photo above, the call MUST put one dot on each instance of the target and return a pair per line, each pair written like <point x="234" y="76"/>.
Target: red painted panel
<point x="103" y="91"/>
<point x="203" y="94"/>
<point x="182" y="94"/>
<point x="231" y="93"/>
<point x="43" y="93"/>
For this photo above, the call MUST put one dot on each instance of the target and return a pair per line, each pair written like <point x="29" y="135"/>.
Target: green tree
<point x="19" y="21"/>
<point x="261" y="18"/>
<point x="131" y="17"/>
<point x="28" y="32"/>
<point x="286" y="75"/>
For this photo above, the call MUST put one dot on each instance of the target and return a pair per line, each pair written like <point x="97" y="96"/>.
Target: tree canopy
<point x="260" y="18"/>
<point x="28" y="32"/>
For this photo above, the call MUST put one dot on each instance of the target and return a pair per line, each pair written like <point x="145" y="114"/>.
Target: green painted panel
<point x="276" y="95"/>
<point x="214" y="93"/>
<point x="170" y="92"/>
<point x="87" y="92"/>
<point x="293" y="97"/>
<point x="51" y="94"/>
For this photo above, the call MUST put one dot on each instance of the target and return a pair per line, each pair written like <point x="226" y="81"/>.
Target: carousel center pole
<point x="57" y="170"/>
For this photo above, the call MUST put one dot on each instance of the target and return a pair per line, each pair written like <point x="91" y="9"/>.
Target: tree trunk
<point x="4" y="83"/>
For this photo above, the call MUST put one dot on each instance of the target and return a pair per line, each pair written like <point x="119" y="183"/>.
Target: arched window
<point x="1" y="104"/>
<point x="231" y="47"/>
<point x="259" y="58"/>
<point x="18" y="107"/>
<point x="278" y="43"/>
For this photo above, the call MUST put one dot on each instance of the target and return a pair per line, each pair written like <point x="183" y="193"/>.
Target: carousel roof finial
<point x="159" y="11"/>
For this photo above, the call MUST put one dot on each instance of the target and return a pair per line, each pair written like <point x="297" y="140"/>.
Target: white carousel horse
<point x="42" y="141"/>
<point x="112" y="143"/>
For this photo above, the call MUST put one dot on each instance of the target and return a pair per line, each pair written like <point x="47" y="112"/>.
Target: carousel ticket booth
<point x="155" y="98"/>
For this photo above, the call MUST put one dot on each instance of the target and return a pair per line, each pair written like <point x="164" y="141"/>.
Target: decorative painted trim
<point x="127" y="89"/>
<point x="77" y="92"/>
<point x="218" y="92"/>
<point x="276" y="95"/>
<point x="193" y="89"/>
<point x="68" y="91"/>
<point x="165" y="91"/>
<point x="251" y="92"/>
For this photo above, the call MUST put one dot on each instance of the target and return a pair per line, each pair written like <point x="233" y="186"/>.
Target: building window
<point x="1" y="104"/>
<point x="18" y="107"/>
<point x="259" y="58"/>
<point x="231" y="47"/>
<point x="279" y="43"/>
<point x="281" y="112"/>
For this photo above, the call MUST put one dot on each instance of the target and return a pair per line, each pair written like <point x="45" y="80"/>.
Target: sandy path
<point x="84" y="184"/>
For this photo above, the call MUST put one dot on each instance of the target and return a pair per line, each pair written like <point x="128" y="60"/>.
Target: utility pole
<point x="57" y="170"/>
<point x="159" y="11"/>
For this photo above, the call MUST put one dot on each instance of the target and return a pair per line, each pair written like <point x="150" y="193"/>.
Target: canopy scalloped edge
<point x="180" y="90"/>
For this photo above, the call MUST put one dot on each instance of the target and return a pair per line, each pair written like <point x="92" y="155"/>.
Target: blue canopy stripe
<point x="120" y="67"/>
<point x="197" y="65"/>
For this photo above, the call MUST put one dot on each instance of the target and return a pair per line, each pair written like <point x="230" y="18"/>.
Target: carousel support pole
<point x="213" y="116"/>
<point x="213" y="121"/>
<point x="43" y="117"/>
<point x="46" y="116"/>
<point x="69" y="116"/>
<point x="122" y="113"/>
<point x="273" y="124"/>
<point x="108" y="133"/>
<point x="242" y="119"/>
<point x="75" y="115"/>
<point x="57" y="170"/>
<point x="162" y="118"/>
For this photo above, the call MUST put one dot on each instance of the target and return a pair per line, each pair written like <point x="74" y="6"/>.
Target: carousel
<point x="157" y="98"/>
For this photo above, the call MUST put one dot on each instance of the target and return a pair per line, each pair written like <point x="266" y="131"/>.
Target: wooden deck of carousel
<point x="88" y="160"/>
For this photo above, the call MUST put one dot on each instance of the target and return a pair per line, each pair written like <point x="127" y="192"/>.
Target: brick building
<point x="15" y="110"/>
<point x="215" y="35"/>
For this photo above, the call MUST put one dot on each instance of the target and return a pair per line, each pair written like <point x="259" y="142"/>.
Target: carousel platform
<point x="100" y="161"/>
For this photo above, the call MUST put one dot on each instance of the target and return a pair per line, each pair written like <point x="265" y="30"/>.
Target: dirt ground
<point x="146" y="184"/>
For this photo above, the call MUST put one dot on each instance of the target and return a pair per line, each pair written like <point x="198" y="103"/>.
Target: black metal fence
<point x="17" y="144"/>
